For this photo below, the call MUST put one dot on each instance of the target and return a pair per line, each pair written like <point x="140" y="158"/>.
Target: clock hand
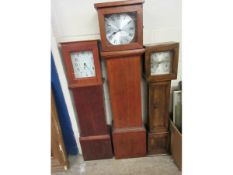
<point x="115" y="32"/>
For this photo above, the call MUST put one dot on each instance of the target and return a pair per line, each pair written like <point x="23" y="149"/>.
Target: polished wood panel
<point x="121" y="7"/>
<point x="124" y="80"/>
<point x="90" y="107"/>
<point x="125" y="90"/>
<point x="96" y="147"/>
<point x="129" y="142"/>
<point x="59" y="159"/>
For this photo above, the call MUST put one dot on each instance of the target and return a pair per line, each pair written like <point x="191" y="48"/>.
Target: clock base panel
<point x="96" y="147"/>
<point x="158" y="143"/>
<point x="129" y="142"/>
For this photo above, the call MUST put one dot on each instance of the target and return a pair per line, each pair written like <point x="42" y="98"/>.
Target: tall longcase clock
<point x="121" y="37"/>
<point x="160" y="67"/>
<point x="84" y="77"/>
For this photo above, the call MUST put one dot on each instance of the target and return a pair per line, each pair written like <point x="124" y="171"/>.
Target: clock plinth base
<point x="158" y="143"/>
<point x="96" y="147"/>
<point x="129" y="142"/>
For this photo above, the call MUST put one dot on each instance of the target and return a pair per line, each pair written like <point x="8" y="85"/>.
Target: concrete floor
<point x="151" y="165"/>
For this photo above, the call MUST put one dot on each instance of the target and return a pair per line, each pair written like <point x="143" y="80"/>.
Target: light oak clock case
<point x="171" y="47"/>
<point x="89" y="103"/>
<point x="119" y="7"/>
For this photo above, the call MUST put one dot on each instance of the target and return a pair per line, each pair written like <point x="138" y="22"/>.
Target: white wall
<point x="76" y="20"/>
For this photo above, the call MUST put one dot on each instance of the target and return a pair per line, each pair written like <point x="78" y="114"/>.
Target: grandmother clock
<point x="84" y="77"/>
<point x="121" y="35"/>
<point x="161" y="62"/>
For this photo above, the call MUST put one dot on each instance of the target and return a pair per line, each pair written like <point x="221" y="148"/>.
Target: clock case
<point x="159" y="98"/>
<point x="163" y="47"/>
<point x="88" y="98"/>
<point x="124" y="81"/>
<point x="121" y="7"/>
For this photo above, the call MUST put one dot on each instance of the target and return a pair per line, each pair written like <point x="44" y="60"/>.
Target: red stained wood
<point x="96" y="147"/>
<point x="89" y="102"/>
<point x="129" y="143"/>
<point x="67" y="49"/>
<point x="124" y="76"/>
<point x="90" y="108"/>
<point x="118" y="3"/>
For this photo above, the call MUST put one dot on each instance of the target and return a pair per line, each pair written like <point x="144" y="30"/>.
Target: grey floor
<point x="153" y="165"/>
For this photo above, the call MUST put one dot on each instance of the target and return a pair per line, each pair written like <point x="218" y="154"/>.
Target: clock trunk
<point x="124" y="76"/>
<point x="158" y="136"/>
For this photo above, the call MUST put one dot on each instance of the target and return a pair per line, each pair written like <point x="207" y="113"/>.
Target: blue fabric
<point x="64" y="118"/>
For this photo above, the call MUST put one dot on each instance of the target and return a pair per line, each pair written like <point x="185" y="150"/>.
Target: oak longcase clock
<point x="84" y="76"/>
<point x="121" y="36"/>
<point x="160" y="67"/>
<point x="121" y="25"/>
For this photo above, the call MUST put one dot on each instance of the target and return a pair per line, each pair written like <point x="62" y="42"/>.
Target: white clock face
<point x="161" y="63"/>
<point x="120" y="28"/>
<point x="83" y="64"/>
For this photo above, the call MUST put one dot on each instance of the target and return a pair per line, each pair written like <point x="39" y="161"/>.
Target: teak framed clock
<point x="121" y="34"/>
<point x="160" y="67"/>
<point x="121" y="25"/>
<point x="84" y="76"/>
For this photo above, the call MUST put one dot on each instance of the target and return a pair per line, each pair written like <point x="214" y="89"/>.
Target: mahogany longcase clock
<point x="84" y="76"/>
<point x="121" y="38"/>
<point x="160" y="67"/>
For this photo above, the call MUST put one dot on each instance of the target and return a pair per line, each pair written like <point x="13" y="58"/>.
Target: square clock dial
<point x="83" y="64"/>
<point x="161" y="63"/>
<point x="120" y="28"/>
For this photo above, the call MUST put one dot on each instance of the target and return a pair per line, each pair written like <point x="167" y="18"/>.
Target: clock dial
<point x="161" y="63"/>
<point x="120" y="28"/>
<point x="83" y="64"/>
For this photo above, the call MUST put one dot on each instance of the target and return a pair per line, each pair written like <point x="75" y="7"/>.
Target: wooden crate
<point x="176" y="145"/>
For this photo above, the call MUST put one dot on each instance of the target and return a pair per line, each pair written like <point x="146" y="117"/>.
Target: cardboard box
<point x="176" y="145"/>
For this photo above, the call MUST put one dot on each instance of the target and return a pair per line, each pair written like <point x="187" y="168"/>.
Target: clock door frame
<point x="67" y="49"/>
<point x="114" y="8"/>
<point x="163" y="47"/>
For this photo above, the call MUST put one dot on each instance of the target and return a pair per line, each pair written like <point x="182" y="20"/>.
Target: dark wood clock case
<point x="159" y="98"/>
<point x="89" y="102"/>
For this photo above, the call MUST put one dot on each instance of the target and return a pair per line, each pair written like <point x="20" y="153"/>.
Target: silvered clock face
<point x="83" y="64"/>
<point x="161" y="63"/>
<point x="120" y="28"/>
